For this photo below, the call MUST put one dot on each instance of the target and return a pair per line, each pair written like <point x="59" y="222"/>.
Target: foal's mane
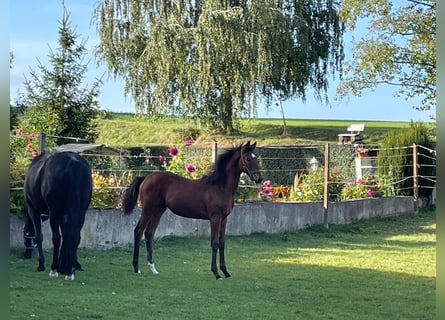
<point x="217" y="174"/>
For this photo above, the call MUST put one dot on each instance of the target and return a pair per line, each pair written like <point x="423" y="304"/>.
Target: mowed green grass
<point x="125" y="130"/>
<point x="375" y="269"/>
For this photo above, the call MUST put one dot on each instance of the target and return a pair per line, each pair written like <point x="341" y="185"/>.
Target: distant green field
<point x="126" y="129"/>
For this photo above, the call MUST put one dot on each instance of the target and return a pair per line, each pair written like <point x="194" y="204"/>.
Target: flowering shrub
<point x="265" y="191"/>
<point x="310" y="186"/>
<point x="23" y="147"/>
<point x="368" y="187"/>
<point x="185" y="162"/>
<point x="281" y="193"/>
<point x="108" y="191"/>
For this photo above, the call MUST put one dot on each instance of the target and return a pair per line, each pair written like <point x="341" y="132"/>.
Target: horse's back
<point x="59" y="181"/>
<point x="68" y="176"/>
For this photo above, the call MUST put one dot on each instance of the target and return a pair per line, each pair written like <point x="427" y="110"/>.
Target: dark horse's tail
<point x="131" y="195"/>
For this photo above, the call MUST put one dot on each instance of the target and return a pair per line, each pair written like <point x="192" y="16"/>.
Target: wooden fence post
<point x="214" y="151"/>
<point x="326" y="187"/>
<point x="42" y="143"/>
<point x="415" y="179"/>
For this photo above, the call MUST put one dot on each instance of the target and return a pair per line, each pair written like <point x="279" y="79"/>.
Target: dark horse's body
<point x="210" y="198"/>
<point x="58" y="185"/>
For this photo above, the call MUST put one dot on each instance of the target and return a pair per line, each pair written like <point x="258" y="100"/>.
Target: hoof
<point x="219" y="279"/>
<point x="70" y="277"/>
<point x="138" y="272"/>
<point x="53" y="274"/>
<point x="40" y="269"/>
<point x="78" y="266"/>
<point x="153" y="268"/>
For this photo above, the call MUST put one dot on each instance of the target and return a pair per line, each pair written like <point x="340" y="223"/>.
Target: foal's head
<point x="248" y="162"/>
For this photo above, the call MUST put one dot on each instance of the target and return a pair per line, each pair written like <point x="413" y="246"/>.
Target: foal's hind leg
<point x="149" y="236"/>
<point x="138" y="232"/>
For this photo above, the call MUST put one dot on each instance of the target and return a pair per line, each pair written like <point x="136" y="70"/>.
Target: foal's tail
<point x="131" y="195"/>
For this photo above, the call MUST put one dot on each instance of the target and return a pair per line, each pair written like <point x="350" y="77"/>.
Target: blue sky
<point x="34" y="31"/>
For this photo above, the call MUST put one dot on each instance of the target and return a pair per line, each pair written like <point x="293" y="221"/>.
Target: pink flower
<point x="173" y="151"/>
<point x="34" y="154"/>
<point x="188" y="143"/>
<point x="371" y="193"/>
<point x="29" y="146"/>
<point x="359" y="181"/>
<point x="266" y="183"/>
<point x="161" y="159"/>
<point x="267" y="191"/>
<point x="19" y="131"/>
<point x="190" y="168"/>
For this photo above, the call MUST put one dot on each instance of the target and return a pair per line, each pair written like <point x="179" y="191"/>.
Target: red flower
<point x="190" y="168"/>
<point x="173" y="151"/>
<point x="29" y="146"/>
<point x="34" y="154"/>
<point x="19" y="131"/>
<point x="188" y="142"/>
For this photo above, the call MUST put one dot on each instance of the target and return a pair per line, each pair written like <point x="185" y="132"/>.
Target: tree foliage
<point x="399" y="50"/>
<point x="56" y="102"/>
<point x="214" y="60"/>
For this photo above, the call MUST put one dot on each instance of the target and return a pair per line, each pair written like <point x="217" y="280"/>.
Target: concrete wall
<point x="110" y="228"/>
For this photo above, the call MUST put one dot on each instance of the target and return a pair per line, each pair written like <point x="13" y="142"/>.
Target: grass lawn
<point x="375" y="269"/>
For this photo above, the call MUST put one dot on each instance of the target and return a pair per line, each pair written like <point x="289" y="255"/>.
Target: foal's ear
<point x="253" y="146"/>
<point x="247" y="145"/>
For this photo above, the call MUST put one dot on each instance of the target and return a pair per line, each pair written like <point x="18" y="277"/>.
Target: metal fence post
<point x="415" y="179"/>
<point x="326" y="187"/>
<point x="214" y="151"/>
<point x="42" y="143"/>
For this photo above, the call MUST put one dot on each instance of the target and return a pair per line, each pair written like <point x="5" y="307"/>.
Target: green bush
<point x="396" y="162"/>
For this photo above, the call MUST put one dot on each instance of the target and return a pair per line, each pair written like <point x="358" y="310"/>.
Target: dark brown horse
<point x="210" y="198"/>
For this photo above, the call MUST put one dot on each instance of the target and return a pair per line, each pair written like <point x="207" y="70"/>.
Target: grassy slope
<point x="128" y="130"/>
<point x="374" y="269"/>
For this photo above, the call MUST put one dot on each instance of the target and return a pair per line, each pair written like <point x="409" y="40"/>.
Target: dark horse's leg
<point x="222" y="259"/>
<point x="39" y="239"/>
<point x="56" y="238"/>
<point x="215" y="225"/>
<point x="28" y="237"/>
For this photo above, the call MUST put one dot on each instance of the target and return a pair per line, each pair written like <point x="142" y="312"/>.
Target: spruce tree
<point x="58" y="91"/>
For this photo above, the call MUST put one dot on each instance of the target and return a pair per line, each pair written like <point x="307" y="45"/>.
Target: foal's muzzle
<point x="256" y="176"/>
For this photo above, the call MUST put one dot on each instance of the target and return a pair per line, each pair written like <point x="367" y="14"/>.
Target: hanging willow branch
<point x="213" y="60"/>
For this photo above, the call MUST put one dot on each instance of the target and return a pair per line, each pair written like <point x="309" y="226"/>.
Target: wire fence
<point x="332" y="168"/>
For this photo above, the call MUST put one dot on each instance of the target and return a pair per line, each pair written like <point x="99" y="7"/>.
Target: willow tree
<point x="215" y="60"/>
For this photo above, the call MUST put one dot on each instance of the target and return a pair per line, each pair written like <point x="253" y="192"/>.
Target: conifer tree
<point x="57" y="102"/>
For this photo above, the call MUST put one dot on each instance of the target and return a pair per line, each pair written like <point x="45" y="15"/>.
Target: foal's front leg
<point x="222" y="259"/>
<point x="215" y="224"/>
